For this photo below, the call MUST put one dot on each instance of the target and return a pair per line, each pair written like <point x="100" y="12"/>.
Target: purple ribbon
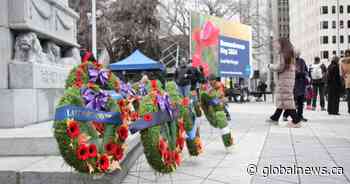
<point x="164" y="104"/>
<point x="142" y="89"/>
<point x="95" y="100"/>
<point x="101" y="75"/>
<point x="126" y="90"/>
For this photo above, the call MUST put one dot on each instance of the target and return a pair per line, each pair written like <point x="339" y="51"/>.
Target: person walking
<point x="182" y="79"/>
<point x="318" y="76"/>
<point x="285" y="69"/>
<point x="334" y="87"/>
<point x="301" y="74"/>
<point x="345" y="73"/>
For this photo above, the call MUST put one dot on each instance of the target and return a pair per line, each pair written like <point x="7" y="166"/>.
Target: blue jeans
<point x="184" y="90"/>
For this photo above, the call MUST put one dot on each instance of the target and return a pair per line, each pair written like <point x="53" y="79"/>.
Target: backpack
<point x="316" y="71"/>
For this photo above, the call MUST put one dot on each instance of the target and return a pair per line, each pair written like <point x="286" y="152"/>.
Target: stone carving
<point x="28" y="48"/>
<point x="53" y="51"/>
<point x="71" y="57"/>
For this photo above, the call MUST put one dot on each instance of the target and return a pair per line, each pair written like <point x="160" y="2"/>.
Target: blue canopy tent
<point x="136" y="61"/>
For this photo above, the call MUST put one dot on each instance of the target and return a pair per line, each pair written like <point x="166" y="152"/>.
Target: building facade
<point x="320" y="28"/>
<point x="280" y="19"/>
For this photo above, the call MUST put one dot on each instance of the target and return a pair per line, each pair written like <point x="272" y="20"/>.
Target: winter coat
<point x="345" y="71"/>
<point x="333" y="79"/>
<point x="300" y="77"/>
<point x="182" y="76"/>
<point x="284" y="85"/>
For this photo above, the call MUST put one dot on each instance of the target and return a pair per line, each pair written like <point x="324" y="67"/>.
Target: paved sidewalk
<point x="322" y="142"/>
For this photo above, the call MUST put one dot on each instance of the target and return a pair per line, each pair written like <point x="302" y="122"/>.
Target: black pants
<point x="333" y="101"/>
<point x="348" y="98"/>
<point x="292" y="112"/>
<point x="318" y="89"/>
<point x="299" y="102"/>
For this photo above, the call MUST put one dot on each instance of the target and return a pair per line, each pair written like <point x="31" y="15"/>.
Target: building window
<point x="324" y="10"/>
<point x="324" y="25"/>
<point x="348" y="8"/>
<point x="334" y="39"/>
<point x="341" y="9"/>
<point x="334" y="9"/>
<point x="324" y="39"/>
<point x="341" y="40"/>
<point x="342" y="52"/>
<point x="349" y="24"/>
<point x="341" y="24"/>
<point x="325" y="54"/>
<point x="348" y="38"/>
<point x="334" y="53"/>
<point x="334" y="24"/>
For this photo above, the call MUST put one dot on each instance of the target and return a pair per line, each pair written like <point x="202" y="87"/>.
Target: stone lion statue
<point x="28" y="48"/>
<point x="52" y="51"/>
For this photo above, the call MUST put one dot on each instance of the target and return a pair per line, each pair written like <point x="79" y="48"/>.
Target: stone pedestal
<point x="37" y="76"/>
<point x="21" y="107"/>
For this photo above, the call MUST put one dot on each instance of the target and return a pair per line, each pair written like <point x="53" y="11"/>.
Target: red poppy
<point x="83" y="152"/>
<point x="180" y="142"/>
<point x="110" y="148"/>
<point x="154" y="84"/>
<point x="168" y="157"/>
<point x="181" y="126"/>
<point x="86" y="57"/>
<point x="118" y="153"/>
<point x="73" y="130"/>
<point x="97" y="65"/>
<point x="103" y="163"/>
<point x="178" y="159"/>
<point x="121" y="103"/>
<point x="162" y="146"/>
<point x="78" y="83"/>
<point x="123" y="132"/>
<point x="185" y="101"/>
<point x="148" y="117"/>
<point x="99" y="127"/>
<point x="134" y="116"/>
<point x="92" y="151"/>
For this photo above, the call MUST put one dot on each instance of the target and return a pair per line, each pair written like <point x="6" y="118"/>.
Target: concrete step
<point x="33" y="140"/>
<point x="53" y="169"/>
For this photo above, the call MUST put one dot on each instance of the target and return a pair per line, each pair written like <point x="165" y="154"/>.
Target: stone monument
<point x="38" y="47"/>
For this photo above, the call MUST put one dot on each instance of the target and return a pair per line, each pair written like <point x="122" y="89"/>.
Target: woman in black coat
<point x="334" y="87"/>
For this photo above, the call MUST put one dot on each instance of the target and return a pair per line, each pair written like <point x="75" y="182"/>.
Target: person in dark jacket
<point x="301" y="73"/>
<point x="182" y="79"/>
<point x="318" y="73"/>
<point x="334" y="87"/>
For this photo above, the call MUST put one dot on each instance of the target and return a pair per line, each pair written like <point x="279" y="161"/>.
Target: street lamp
<point x="93" y="23"/>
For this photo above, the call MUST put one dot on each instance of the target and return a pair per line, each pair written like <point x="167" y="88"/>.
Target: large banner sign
<point x="221" y="47"/>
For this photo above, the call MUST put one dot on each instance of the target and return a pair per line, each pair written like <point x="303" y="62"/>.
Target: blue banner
<point x="157" y="118"/>
<point x="84" y="114"/>
<point x="234" y="57"/>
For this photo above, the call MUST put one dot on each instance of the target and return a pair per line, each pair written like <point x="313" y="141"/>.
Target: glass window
<point x="349" y="24"/>
<point x="334" y="9"/>
<point x="348" y="38"/>
<point x="334" y="39"/>
<point x="348" y="8"/>
<point x="342" y="52"/>
<point x="341" y="24"/>
<point x="334" y="24"/>
<point x="341" y="40"/>
<point x="324" y="24"/>
<point x="324" y="10"/>
<point x="334" y="52"/>
<point x="325" y="55"/>
<point x="324" y="39"/>
<point x="341" y="9"/>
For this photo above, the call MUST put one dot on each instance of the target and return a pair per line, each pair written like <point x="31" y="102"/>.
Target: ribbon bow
<point x="101" y="75"/>
<point x="95" y="100"/>
<point x="164" y="104"/>
<point x="126" y="90"/>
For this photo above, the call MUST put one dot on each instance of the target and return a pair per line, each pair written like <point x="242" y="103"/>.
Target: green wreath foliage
<point x="90" y="147"/>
